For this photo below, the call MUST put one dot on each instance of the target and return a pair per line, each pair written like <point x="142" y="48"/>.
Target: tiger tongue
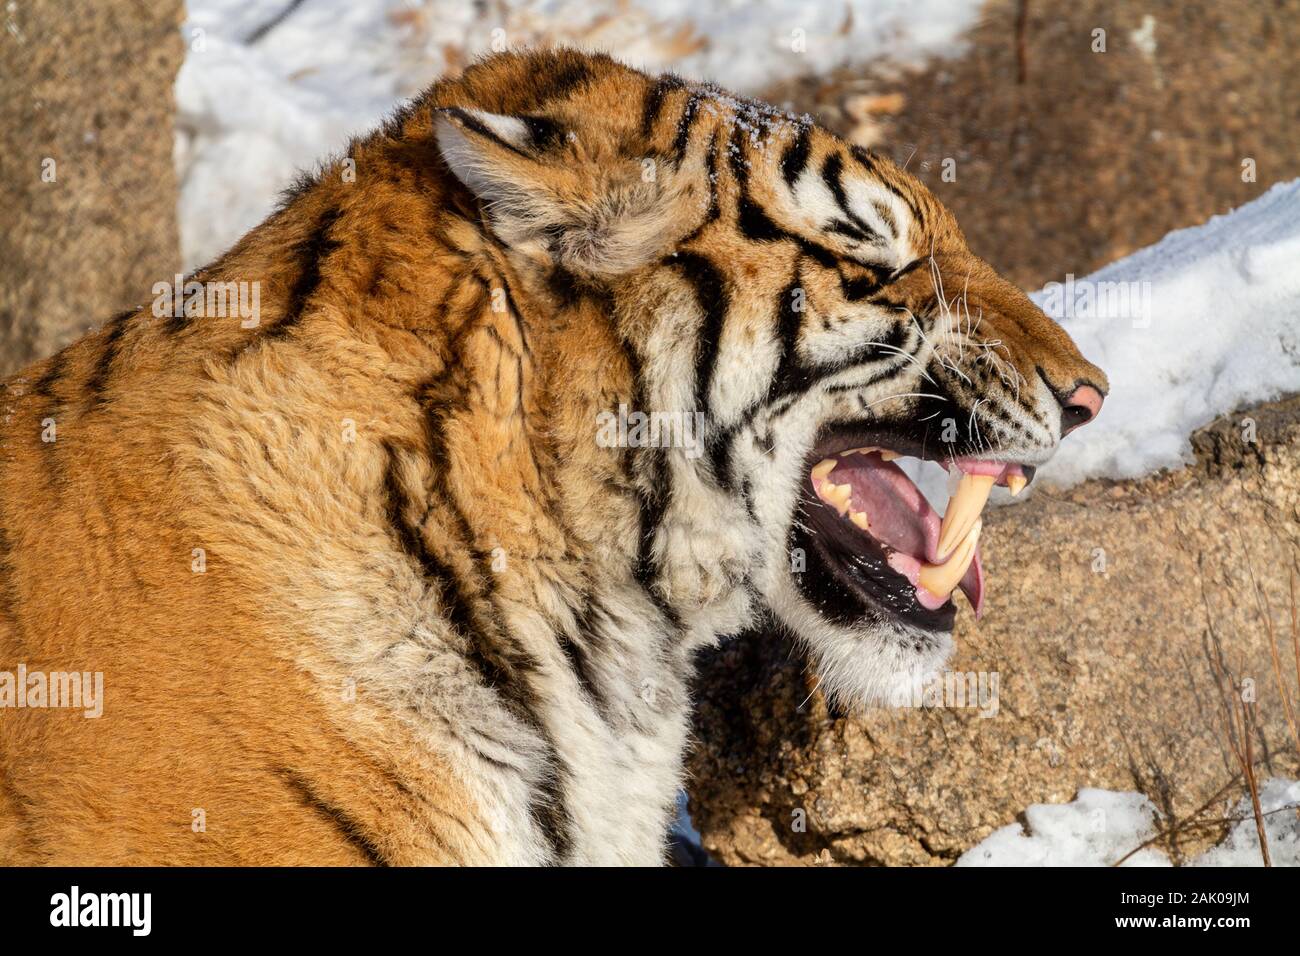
<point x="898" y="515"/>
<point x="932" y="582"/>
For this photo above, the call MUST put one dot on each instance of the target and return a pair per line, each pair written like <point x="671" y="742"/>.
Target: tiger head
<point x="820" y="312"/>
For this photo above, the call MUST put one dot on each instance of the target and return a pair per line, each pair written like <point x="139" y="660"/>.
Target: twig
<point x="1241" y="739"/>
<point x="1248" y="731"/>
<point x="259" y="32"/>
<point x="1022" y="53"/>
<point x="1288" y="710"/>
<point x="1295" y="646"/>
<point x="1190" y="822"/>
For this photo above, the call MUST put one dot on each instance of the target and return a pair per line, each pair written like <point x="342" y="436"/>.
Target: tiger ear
<point x="592" y="218"/>
<point x="496" y="156"/>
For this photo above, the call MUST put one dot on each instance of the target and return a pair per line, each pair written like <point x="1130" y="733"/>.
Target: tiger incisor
<point x="363" y="581"/>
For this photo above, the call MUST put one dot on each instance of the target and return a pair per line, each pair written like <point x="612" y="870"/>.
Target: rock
<point x="1091" y="155"/>
<point x="1105" y="603"/>
<point x="86" y="84"/>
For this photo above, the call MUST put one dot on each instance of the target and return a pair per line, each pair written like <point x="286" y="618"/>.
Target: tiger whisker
<point x="890" y="398"/>
<point x="911" y="358"/>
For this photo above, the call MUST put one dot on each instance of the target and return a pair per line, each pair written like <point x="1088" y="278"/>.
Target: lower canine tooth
<point x="940" y="579"/>
<point x="1016" y="484"/>
<point x="860" y="519"/>
<point x="963" y="511"/>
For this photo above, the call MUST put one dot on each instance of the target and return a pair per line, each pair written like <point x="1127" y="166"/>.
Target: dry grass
<point x="1239" y="723"/>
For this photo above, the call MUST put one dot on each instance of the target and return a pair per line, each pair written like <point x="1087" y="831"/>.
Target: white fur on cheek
<point x="869" y="663"/>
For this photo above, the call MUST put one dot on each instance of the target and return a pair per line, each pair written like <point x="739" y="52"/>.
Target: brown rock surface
<point x="1093" y="155"/>
<point x="88" y="84"/>
<point x="1104" y="676"/>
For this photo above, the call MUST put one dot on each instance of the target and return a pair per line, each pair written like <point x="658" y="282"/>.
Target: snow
<point x="1279" y="799"/>
<point x="1204" y="322"/>
<point x="1101" y="827"/>
<point x="1096" y="829"/>
<point x="252" y="114"/>
<point x="1212" y="325"/>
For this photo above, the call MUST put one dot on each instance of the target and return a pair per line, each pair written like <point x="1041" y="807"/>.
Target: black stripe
<point x="833" y="176"/>
<point x="842" y="228"/>
<point x="795" y="157"/>
<point x="652" y="506"/>
<point x="885" y="302"/>
<point x="886" y="216"/>
<point x="104" y="365"/>
<point x="893" y="365"/>
<point x="868" y="161"/>
<point x="736" y="156"/>
<point x="857" y="288"/>
<point x="311" y="254"/>
<point x="475" y="125"/>
<point x="53" y="374"/>
<point x="561" y="82"/>
<point x="711" y="172"/>
<point x="652" y="502"/>
<point x="353" y="832"/>
<point x="45" y="388"/>
<point x="545" y="133"/>
<point x="686" y="124"/>
<point x="711" y="294"/>
<point x="914" y="264"/>
<point x="654" y="102"/>
<point x="576" y="655"/>
<point x="8" y="590"/>
<point x="566" y="286"/>
<point x="755" y="224"/>
<point x="500" y="668"/>
<point x="791" y="376"/>
<point x="718" y="451"/>
<point x="452" y="596"/>
<point x="175" y="323"/>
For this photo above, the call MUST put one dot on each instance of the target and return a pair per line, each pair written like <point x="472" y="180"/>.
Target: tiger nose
<point x="1079" y="407"/>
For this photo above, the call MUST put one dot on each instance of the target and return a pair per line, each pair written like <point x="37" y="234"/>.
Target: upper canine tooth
<point x="940" y="579"/>
<point x="1016" y="484"/>
<point x="963" y="511"/>
<point x="887" y="455"/>
<point x="860" y="519"/>
<point x="824" y="468"/>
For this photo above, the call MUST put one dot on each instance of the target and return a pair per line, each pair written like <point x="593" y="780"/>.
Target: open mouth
<point x="871" y="528"/>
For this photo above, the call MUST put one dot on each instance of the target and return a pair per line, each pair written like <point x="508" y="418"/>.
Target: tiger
<point x="560" y="376"/>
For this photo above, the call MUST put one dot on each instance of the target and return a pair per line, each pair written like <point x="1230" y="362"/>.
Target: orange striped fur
<point x="362" y="583"/>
